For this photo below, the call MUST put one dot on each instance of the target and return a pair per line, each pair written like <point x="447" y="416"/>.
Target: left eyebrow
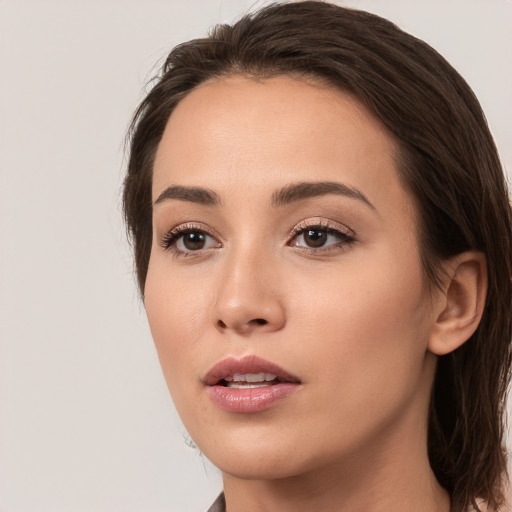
<point x="197" y="195"/>
<point x="305" y="190"/>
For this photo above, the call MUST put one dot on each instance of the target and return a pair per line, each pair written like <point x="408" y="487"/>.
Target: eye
<point x="184" y="240"/>
<point x="315" y="238"/>
<point x="194" y="241"/>
<point x="321" y="236"/>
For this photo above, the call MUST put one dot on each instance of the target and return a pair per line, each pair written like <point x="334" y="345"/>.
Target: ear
<point x="460" y="306"/>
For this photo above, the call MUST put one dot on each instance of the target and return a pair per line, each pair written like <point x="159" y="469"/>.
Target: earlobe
<point x="460" y="309"/>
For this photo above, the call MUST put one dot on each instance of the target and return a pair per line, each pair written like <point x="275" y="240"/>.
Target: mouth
<point x="249" y="380"/>
<point x="248" y="372"/>
<point x="248" y="385"/>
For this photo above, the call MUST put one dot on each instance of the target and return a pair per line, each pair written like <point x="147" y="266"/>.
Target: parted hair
<point x="446" y="159"/>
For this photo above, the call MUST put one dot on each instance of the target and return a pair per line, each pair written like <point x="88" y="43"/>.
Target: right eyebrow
<point x="197" y="195"/>
<point x="305" y="190"/>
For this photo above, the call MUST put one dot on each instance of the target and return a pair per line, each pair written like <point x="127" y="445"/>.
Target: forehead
<point x="259" y="135"/>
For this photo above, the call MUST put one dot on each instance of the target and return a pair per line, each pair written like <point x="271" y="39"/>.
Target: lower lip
<point x="250" y="400"/>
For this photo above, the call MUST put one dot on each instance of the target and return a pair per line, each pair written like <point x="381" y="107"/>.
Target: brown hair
<point x="447" y="159"/>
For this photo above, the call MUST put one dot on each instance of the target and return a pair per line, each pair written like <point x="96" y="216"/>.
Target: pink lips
<point x="256" y="397"/>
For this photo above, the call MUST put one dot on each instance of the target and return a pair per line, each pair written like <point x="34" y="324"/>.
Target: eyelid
<point x="344" y="235"/>
<point x="322" y="223"/>
<point x="168" y="239"/>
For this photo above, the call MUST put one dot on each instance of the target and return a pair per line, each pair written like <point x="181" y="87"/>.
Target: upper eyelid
<point x="323" y="223"/>
<point x="193" y="226"/>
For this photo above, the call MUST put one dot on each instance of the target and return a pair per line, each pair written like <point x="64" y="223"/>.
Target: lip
<point x="250" y="400"/>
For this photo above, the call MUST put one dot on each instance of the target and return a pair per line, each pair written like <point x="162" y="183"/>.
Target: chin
<point x="260" y="470"/>
<point x="269" y="458"/>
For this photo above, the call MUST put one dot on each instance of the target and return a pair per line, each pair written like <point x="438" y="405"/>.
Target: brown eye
<point x="321" y="238"/>
<point x="315" y="237"/>
<point x="194" y="241"/>
<point x="182" y="241"/>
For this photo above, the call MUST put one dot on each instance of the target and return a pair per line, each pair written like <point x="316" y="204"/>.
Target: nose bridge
<point x="248" y="296"/>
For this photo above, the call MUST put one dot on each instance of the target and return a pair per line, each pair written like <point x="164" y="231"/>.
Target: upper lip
<point x="249" y="364"/>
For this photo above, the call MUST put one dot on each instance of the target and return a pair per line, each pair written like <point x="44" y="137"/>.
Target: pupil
<point x="194" y="241"/>
<point x="315" y="238"/>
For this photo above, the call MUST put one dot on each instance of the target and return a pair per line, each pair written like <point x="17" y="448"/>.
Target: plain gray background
<point x="86" y="423"/>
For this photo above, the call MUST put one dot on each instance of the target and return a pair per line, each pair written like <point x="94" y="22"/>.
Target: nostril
<point x="221" y="324"/>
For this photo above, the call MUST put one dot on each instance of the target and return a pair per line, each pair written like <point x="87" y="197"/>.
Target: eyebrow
<point x="305" y="190"/>
<point x="197" y="195"/>
<point x="288" y="194"/>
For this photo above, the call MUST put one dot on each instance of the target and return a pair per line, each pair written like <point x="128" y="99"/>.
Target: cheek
<point x="368" y="322"/>
<point x="363" y="345"/>
<point x="177" y="313"/>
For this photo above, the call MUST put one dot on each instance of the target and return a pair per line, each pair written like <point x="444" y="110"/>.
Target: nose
<point x="249" y="297"/>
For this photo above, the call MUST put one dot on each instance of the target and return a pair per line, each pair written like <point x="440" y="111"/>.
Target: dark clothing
<point x="219" y="505"/>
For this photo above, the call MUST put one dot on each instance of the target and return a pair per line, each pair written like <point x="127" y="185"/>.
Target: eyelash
<point x="346" y="237"/>
<point x="171" y="238"/>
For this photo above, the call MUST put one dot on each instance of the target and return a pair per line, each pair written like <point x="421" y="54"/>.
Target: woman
<point x="322" y="240"/>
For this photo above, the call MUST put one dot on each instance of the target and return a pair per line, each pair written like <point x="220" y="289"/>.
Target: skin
<point x="352" y="320"/>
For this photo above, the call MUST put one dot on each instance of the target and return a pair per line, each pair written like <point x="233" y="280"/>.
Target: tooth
<point x="248" y="377"/>
<point x="235" y="385"/>
<point x="255" y="377"/>
<point x="251" y="377"/>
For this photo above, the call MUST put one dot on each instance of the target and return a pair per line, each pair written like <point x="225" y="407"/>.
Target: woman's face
<point x="285" y="245"/>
